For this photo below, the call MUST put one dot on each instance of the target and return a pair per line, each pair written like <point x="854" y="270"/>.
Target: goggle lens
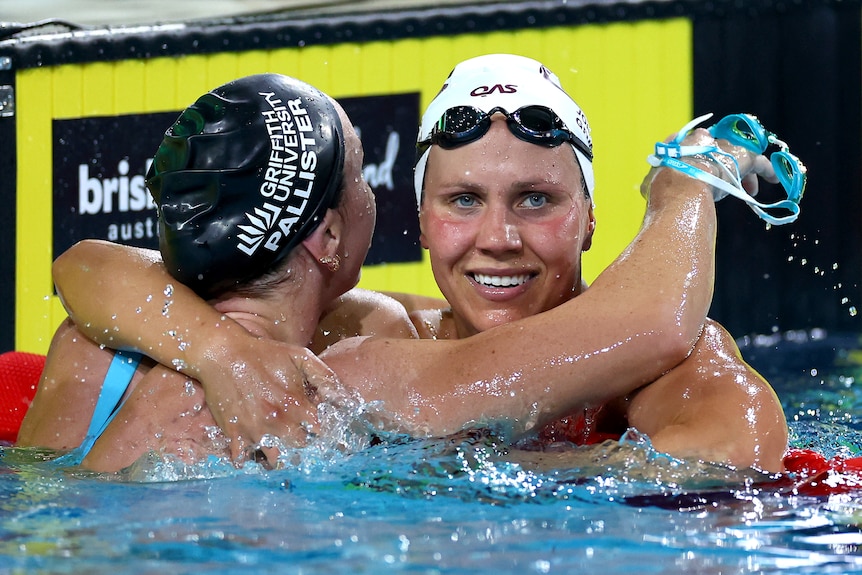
<point x="791" y="173"/>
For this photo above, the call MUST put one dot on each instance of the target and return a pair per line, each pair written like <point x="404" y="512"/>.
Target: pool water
<point x="460" y="505"/>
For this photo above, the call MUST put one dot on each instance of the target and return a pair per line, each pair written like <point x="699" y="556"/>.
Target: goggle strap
<point x="724" y="188"/>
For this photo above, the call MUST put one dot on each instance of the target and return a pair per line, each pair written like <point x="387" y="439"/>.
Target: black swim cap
<point x="242" y="177"/>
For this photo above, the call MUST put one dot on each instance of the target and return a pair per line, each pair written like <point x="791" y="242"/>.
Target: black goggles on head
<point x="535" y="124"/>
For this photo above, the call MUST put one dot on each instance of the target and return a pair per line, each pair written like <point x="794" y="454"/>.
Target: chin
<point x="498" y="318"/>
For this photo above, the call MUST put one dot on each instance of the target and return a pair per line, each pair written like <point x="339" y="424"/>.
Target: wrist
<point x="667" y="184"/>
<point x="218" y="352"/>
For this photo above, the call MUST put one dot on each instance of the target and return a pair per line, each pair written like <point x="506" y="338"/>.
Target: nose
<point x="498" y="232"/>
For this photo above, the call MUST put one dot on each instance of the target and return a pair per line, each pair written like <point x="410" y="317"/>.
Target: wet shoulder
<point x="362" y="312"/>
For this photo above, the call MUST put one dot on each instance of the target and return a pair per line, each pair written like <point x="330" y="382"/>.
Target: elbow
<point x="77" y="257"/>
<point x="674" y="338"/>
<point x="66" y="267"/>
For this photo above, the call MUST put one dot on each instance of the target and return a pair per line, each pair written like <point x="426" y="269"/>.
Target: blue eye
<point x="465" y="201"/>
<point x="535" y="201"/>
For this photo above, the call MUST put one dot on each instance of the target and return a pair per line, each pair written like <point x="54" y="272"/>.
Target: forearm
<point x="665" y="277"/>
<point x="123" y="298"/>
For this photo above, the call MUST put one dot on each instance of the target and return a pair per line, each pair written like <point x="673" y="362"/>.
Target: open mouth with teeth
<point x="500" y="281"/>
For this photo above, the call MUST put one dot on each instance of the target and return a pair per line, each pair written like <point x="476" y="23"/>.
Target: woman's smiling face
<point x="505" y="222"/>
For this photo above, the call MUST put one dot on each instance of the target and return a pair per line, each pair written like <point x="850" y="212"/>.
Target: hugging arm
<point x="141" y="307"/>
<point x="640" y="318"/>
<point x="713" y="406"/>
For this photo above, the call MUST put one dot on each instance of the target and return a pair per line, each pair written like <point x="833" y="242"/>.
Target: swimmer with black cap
<point x="505" y="215"/>
<point x="262" y="210"/>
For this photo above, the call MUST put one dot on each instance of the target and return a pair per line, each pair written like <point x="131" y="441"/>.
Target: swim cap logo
<point x="584" y="126"/>
<point x="288" y="178"/>
<point x="260" y="223"/>
<point x="488" y="90"/>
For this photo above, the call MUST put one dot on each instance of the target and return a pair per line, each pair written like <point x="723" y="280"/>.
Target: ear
<point x="422" y="240"/>
<point x="326" y="239"/>
<point x="591" y="228"/>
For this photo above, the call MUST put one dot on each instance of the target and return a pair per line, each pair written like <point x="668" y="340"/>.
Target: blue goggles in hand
<point x="535" y="124"/>
<point x="746" y="131"/>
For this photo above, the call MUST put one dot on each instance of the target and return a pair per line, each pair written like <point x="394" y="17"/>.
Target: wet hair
<point x="242" y="177"/>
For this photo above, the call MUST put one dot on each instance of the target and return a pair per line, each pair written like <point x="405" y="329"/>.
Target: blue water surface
<point x="460" y="505"/>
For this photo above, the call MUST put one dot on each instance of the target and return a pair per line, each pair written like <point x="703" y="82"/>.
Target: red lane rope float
<point x="817" y="476"/>
<point x="19" y="376"/>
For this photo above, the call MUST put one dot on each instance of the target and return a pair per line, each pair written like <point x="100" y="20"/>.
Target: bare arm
<point x="67" y="392"/>
<point x="641" y="317"/>
<point x="152" y="313"/>
<point x="714" y="406"/>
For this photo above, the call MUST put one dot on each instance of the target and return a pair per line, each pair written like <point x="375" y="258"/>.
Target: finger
<point x="763" y="168"/>
<point x="751" y="184"/>
<point x="272" y="455"/>
<point x="237" y="449"/>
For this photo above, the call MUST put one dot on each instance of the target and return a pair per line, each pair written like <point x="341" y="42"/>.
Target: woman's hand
<point x="267" y="391"/>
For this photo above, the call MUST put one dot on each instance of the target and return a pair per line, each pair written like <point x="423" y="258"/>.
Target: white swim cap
<point x="509" y="82"/>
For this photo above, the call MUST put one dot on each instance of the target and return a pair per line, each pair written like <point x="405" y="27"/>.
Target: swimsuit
<point x="117" y="381"/>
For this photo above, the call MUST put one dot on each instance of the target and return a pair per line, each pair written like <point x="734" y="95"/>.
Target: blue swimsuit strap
<point x="117" y="381"/>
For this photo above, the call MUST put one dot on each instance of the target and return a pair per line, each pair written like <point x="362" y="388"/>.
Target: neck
<point x="289" y="313"/>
